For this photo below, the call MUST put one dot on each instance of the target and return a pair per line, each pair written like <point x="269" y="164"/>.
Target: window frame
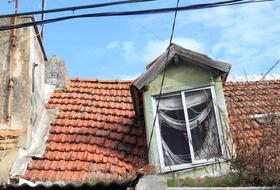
<point x="194" y="162"/>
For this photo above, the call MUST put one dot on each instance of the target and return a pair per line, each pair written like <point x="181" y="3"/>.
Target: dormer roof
<point x="188" y="56"/>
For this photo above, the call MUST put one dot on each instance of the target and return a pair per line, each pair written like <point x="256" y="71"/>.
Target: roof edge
<point x="39" y="38"/>
<point x="157" y="65"/>
<point x="73" y="79"/>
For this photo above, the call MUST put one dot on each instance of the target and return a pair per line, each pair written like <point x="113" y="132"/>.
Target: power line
<point x="138" y="12"/>
<point x="74" y="8"/>
<point x="164" y="72"/>
<point x="270" y="69"/>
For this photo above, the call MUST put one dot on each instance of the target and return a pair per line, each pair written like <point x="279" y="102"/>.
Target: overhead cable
<point x="270" y="69"/>
<point x="74" y="8"/>
<point x="163" y="75"/>
<point x="138" y="12"/>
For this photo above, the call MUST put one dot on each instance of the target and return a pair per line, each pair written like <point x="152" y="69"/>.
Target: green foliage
<point x="268" y="180"/>
<point x="125" y="178"/>
<point x="209" y="182"/>
<point x="230" y="180"/>
<point x="171" y="182"/>
<point x="92" y="180"/>
<point x="189" y="182"/>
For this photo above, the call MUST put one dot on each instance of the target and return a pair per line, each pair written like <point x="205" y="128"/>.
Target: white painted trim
<point x="187" y="125"/>
<point x="190" y="165"/>
<point x="213" y="95"/>
<point x="158" y="134"/>
<point x="194" y="161"/>
<point x="218" y="121"/>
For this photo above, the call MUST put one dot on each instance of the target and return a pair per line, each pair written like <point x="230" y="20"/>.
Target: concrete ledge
<point x="152" y="182"/>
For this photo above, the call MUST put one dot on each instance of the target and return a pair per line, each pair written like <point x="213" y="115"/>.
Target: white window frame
<point x="194" y="162"/>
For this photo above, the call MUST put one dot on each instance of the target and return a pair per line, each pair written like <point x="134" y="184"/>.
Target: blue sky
<point x="247" y="36"/>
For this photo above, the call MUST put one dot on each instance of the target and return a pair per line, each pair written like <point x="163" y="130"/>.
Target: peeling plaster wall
<point x="5" y="47"/>
<point x="27" y="52"/>
<point x="183" y="77"/>
<point x="26" y="104"/>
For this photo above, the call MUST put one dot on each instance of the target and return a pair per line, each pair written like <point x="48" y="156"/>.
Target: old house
<point x="191" y="121"/>
<point x="87" y="130"/>
<point x="27" y="80"/>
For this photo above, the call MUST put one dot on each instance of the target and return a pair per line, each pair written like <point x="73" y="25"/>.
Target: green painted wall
<point x="180" y="77"/>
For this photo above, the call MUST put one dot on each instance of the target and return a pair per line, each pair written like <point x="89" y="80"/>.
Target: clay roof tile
<point x="95" y="117"/>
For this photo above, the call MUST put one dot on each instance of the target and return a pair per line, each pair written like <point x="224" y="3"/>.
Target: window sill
<point x="190" y="166"/>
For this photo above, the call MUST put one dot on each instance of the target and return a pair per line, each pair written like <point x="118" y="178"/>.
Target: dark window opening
<point x="196" y="115"/>
<point x="33" y="76"/>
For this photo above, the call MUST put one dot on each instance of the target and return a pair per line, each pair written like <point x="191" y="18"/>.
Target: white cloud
<point x="129" y="52"/>
<point x="155" y="48"/>
<point x="237" y="78"/>
<point x="113" y="45"/>
<point x="247" y="36"/>
<point x="129" y="77"/>
<point x="128" y="48"/>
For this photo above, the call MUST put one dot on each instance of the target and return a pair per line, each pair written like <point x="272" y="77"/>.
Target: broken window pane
<point x="173" y="130"/>
<point x="203" y="125"/>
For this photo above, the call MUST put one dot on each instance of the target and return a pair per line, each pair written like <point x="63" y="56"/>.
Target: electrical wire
<point x="164" y="72"/>
<point x="270" y="69"/>
<point x="74" y="8"/>
<point x="138" y="12"/>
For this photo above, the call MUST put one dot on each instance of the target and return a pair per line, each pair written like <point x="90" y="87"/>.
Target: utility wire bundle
<point x="120" y="13"/>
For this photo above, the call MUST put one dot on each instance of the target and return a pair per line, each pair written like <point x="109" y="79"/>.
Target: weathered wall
<point x="56" y="73"/>
<point x="27" y="53"/>
<point x="5" y="47"/>
<point x="26" y="104"/>
<point x="183" y="77"/>
<point x="180" y="76"/>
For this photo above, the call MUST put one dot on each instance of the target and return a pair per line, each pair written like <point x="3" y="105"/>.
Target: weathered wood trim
<point x="188" y="56"/>
<point x="202" y="59"/>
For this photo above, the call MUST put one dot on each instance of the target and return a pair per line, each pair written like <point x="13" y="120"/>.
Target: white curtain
<point x="196" y="98"/>
<point x="172" y="122"/>
<point x="171" y="103"/>
<point x="174" y="158"/>
<point x="200" y="117"/>
<point x="175" y="103"/>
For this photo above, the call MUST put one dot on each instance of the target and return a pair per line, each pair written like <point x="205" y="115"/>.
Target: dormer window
<point x="189" y="130"/>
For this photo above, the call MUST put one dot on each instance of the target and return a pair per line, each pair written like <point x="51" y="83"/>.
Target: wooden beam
<point x="12" y="132"/>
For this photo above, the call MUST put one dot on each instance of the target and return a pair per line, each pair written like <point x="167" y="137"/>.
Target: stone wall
<point x="56" y="73"/>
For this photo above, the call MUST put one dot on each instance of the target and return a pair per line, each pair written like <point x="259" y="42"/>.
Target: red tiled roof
<point x="253" y="97"/>
<point x="96" y="134"/>
<point x="245" y="100"/>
